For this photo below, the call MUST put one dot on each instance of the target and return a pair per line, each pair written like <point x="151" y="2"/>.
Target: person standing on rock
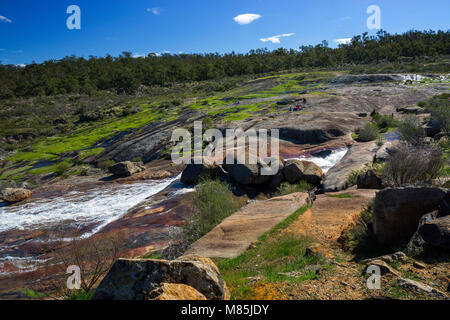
<point x="303" y="103"/>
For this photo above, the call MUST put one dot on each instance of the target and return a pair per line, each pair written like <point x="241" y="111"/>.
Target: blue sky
<point x="36" y="30"/>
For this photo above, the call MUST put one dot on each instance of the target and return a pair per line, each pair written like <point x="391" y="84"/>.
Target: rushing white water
<point x="23" y="264"/>
<point x="327" y="162"/>
<point x="419" y="78"/>
<point x="98" y="206"/>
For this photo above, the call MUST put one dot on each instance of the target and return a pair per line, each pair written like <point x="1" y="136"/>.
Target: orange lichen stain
<point x="266" y="291"/>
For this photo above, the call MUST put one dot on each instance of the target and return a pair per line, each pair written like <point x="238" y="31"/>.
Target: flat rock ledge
<point x="236" y="233"/>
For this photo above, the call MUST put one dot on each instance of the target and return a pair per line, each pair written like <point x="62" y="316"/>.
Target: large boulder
<point x="277" y="177"/>
<point x="436" y="232"/>
<point x="369" y="180"/>
<point x="433" y="127"/>
<point x="293" y="170"/>
<point x="384" y="152"/>
<point x="296" y="170"/>
<point x="16" y="195"/>
<point x="125" y="169"/>
<point x="416" y="243"/>
<point x="312" y="173"/>
<point x="248" y="171"/>
<point x="136" y="279"/>
<point x="397" y="212"/>
<point x="195" y="172"/>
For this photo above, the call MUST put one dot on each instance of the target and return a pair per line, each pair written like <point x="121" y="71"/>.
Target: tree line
<point x="126" y="73"/>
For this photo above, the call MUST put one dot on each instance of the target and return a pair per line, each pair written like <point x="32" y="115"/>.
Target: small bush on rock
<point x="368" y="133"/>
<point x="286" y="188"/>
<point x="352" y="177"/>
<point x="408" y="164"/>
<point x="213" y="201"/>
<point x="410" y="130"/>
<point x="385" y="121"/>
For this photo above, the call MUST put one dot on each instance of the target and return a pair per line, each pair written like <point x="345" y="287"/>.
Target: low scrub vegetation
<point x="359" y="239"/>
<point x="385" y="122"/>
<point x="352" y="177"/>
<point x="368" y="133"/>
<point x="94" y="257"/>
<point x="409" y="164"/>
<point x="286" y="188"/>
<point x="410" y="130"/>
<point x="341" y="196"/>
<point x="360" y="232"/>
<point x="439" y="107"/>
<point x="372" y="130"/>
<point x="213" y="201"/>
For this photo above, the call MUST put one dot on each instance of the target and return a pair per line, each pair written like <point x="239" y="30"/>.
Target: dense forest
<point x="126" y="74"/>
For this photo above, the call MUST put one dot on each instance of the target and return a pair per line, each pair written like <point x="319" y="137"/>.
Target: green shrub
<point x="352" y="177"/>
<point x="287" y="188"/>
<point x="359" y="235"/>
<point x="380" y="141"/>
<point x="411" y="164"/>
<point x="80" y="295"/>
<point x="207" y="123"/>
<point x="410" y="130"/>
<point x="385" y="121"/>
<point x="439" y="107"/>
<point x="62" y="168"/>
<point x="368" y="133"/>
<point x="30" y="293"/>
<point x="176" y="102"/>
<point x="106" y="164"/>
<point x="213" y="201"/>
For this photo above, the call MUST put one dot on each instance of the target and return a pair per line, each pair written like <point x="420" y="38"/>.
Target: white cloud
<point x="156" y="11"/>
<point x="21" y="65"/>
<point x="345" y="18"/>
<point x="246" y="18"/>
<point x="5" y="19"/>
<point x="276" y="39"/>
<point x="343" y="41"/>
<point x="137" y="55"/>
